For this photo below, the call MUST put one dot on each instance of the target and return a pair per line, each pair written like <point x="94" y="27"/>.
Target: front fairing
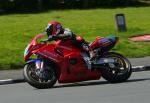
<point x="26" y="51"/>
<point x="32" y="46"/>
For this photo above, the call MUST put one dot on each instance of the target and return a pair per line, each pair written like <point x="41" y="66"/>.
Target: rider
<point x="55" y="31"/>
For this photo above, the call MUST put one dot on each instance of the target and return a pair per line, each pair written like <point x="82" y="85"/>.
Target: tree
<point x="40" y="5"/>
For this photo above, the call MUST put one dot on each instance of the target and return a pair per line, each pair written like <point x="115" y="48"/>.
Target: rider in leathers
<point x="55" y="31"/>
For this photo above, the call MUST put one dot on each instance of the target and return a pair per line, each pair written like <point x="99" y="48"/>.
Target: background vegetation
<point x="16" y="30"/>
<point x="9" y="6"/>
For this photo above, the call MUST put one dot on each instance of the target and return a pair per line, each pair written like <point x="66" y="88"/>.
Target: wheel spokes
<point x="120" y="65"/>
<point x="35" y="75"/>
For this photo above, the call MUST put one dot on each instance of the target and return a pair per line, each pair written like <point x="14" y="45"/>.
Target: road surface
<point x="135" y="90"/>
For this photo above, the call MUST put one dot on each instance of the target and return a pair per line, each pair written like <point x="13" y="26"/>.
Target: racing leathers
<point x="67" y="34"/>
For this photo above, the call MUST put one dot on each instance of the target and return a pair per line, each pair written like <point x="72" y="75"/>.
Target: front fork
<point x="41" y="70"/>
<point x="39" y="64"/>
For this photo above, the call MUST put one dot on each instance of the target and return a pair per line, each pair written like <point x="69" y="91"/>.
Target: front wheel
<point x="31" y="76"/>
<point x="119" y="71"/>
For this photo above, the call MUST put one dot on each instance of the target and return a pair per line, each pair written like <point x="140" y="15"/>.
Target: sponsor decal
<point x="105" y="41"/>
<point x="49" y="55"/>
<point x="65" y="48"/>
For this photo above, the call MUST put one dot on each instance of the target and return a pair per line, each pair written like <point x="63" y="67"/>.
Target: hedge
<point x="35" y="5"/>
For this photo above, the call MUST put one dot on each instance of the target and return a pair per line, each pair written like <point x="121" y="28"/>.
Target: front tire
<point x="32" y="78"/>
<point x="121" y="72"/>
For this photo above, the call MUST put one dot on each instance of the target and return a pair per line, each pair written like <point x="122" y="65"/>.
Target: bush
<point x="6" y="4"/>
<point x="109" y="3"/>
<point x="18" y="5"/>
<point x="35" y="5"/>
<point x="97" y="3"/>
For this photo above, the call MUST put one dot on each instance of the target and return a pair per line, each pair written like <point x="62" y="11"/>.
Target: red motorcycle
<point x="61" y="61"/>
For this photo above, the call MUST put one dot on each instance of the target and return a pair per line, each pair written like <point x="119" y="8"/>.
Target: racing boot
<point x="87" y="61"/>
<point x="92" y="55"/>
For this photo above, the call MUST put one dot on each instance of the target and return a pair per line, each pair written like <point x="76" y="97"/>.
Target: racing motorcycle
<point x="49" y="62"/>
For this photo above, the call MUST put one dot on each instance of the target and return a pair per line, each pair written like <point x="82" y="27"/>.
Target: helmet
<point x="53" y="28"/>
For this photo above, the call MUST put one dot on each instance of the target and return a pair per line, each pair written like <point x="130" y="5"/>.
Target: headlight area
<point x="26" y="51"/>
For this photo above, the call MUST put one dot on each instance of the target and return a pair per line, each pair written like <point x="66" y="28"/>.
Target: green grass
<point x="17" y="30"/>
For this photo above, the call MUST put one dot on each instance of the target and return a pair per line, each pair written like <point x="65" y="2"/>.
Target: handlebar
<point x="43" y="42"/>
<point x="50" y="38"/>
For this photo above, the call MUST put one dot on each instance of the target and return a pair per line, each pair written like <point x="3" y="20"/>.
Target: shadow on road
<point x="88" y="83"/>
<point x="137" y="80"/>
<point x="97" y="83"/>
<point x="82" y="84"/>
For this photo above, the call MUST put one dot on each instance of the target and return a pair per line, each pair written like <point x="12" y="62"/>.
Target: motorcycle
<point x="47" y="63"/>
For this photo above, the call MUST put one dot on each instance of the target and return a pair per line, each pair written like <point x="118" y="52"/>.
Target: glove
<point x="50" y="37"/>
<point x="54" y="37"/>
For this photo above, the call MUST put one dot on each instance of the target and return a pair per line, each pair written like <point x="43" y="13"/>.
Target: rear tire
<point x="31" y="77"/>
<point x="124" y="69"/>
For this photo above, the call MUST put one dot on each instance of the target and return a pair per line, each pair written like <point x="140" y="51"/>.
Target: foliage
<point x="40" y="5"/>
<point x="16" y="30"/>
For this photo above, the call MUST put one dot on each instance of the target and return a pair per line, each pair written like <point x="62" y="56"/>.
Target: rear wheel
<point x="31" y="75"/>
<point x="119" y="71"/>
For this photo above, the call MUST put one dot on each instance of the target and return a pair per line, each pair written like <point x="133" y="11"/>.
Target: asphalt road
<point x="135" y="90"/>
<point x="145" y="61"/>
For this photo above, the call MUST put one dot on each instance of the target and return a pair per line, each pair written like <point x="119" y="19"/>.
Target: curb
<point x="140" y="68"/>
<point x="13" y="81"/>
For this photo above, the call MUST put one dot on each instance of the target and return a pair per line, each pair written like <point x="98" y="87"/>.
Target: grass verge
<point x="16" y="30"/>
